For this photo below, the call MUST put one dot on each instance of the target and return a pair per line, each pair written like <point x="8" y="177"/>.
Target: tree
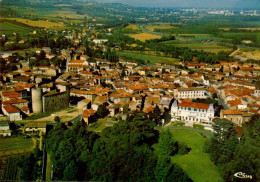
<point x="70" y="172"/>
<point x="102" y="111"/>
<point x="167" y="144"/>
<point x="156" y="115"/>
<point x="57" y="119"/>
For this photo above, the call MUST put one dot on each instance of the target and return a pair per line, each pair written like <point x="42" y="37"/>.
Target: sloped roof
<point x="232" y="112"/>
<point x="11" y="109"/>
<point x="194" y="105"/>
<point x="87" y="113"/>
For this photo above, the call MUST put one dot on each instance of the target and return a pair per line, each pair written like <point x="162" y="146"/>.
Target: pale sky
<point x="255" y="4"/>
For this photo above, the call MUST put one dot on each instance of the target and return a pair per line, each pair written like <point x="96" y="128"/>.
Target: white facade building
<point x="193" y="112"/>
<point x="191" y="93"/>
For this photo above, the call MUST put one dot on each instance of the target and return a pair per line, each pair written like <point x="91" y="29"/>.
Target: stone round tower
<point x="37" y="100"/>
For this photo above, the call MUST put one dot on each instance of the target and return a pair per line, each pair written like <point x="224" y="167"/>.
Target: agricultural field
<point x="164" y="26"/>
<point x="213" y="48"/>
<point x="40" y="23"/>
<point x="10" y="146"/>
<point x="152" y="59"/>
<point x="196" y="163"/>
<point x="132" y="26"/>
<point x="205" y="42"/>
<point x="66" y="14"/>
<point x="144" y="36"/>
<point x="8" y="28"/>
<point x="250" y="29"/>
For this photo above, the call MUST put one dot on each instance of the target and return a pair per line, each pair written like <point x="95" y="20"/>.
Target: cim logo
<point x="243" y="175"/>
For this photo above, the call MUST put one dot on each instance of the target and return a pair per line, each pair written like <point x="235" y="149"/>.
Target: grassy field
<point x="30" y="50"/>
<point x="144" y="36"/>
<point x="67" y="14"/>
<point x="40" y="23"/>
<point x="15" y="145"/>
<point x="9" y="28"/>
<point x="152" y="27"/>
<point x="207" y="47"/>
<point x="196" y="163"/>
<point x="134" y="55"/>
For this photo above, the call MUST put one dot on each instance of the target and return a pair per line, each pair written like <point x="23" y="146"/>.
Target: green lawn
<point x="178" y="124"/>
<point x="140" y="56"/>
<point x="198" y="126"/>
<point x="15" y="144"/>
<point x="101" y="124"/>
<point x="196" y="163"/>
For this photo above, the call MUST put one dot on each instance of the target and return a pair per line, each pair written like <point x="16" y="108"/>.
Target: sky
<point x="255" y="4"/>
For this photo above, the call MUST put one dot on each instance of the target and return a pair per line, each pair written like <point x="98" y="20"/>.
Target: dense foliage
<point x="124" y="152"/>
<point x="234" y="155"/>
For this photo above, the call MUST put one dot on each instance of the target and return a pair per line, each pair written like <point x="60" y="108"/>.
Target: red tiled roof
<point x="235" y="102"/>
<point x="14" y="101"/>
<point x="139" y="87"/>
<point x="194" y="105"/>
<point x="11" y="109"/>
<point x="11" y="94"/>
<point x="77" y="61"/>
<point x="89" y="112"/>
<point x="25" y="108"/>
<point x="212" y="90"/>
<point x="231" y="112"/>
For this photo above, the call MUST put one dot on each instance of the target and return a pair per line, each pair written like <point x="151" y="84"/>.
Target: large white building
<point x="191" y="93"/>
<point x="193" y="112"/>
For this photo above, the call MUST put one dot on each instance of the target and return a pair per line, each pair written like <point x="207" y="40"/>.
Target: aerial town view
<point x="120" y="90"/>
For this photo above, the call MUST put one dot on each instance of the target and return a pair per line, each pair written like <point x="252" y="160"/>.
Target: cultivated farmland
<point x="132" y="26"/>
<point x="134" y="55"/>
<point x="145" y="36"/>
<point x="40" y="23"/>
<point x="152" y="27"/>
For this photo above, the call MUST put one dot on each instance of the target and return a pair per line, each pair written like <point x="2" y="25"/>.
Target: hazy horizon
<point x="252" y="4"/>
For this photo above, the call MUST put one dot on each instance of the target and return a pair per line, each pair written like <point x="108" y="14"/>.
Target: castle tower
<point x="37" y="100"/>
<point x="174" y="109"/>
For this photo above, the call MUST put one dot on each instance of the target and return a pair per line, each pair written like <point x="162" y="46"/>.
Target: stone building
<point x="54" y="101"/>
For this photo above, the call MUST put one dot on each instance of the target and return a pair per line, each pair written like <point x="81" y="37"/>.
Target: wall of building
<point x="55" y="102"/>
<point x="200" y="116"/>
